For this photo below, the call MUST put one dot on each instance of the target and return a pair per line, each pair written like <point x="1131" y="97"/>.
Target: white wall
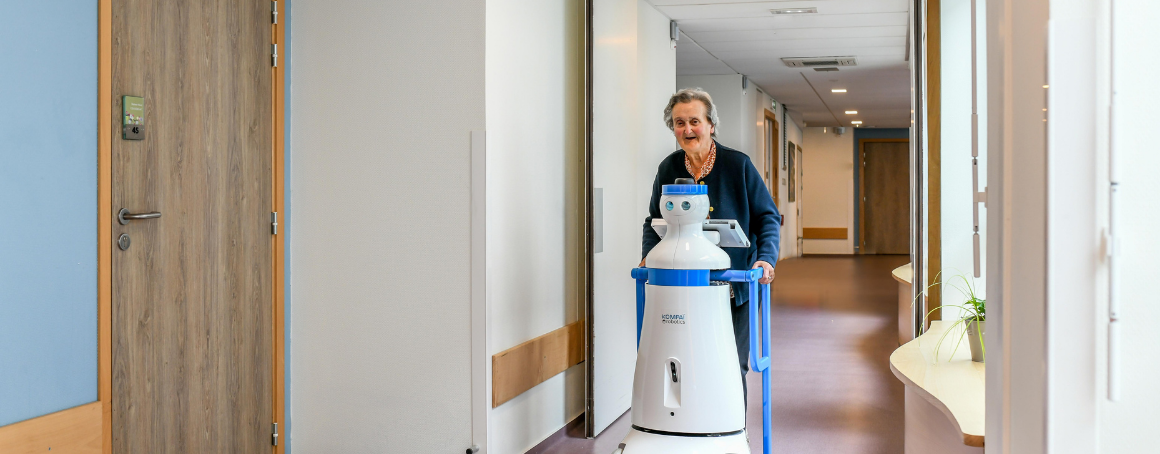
<point x="791" y="223"/>
<point x="732" y="109"/>
<point x="1077" y="191"/>
<point x="750" y="128"/>
<point x="1059" y="217"/>
<point x="381" y="134"/>
<point x="634" y="73"/>
<point x="761" y="103"/>
<point x="828" y="193"/>
<point x="1128" y="425"/>
<point x="656" y="77"/>
<point x="535" y="69"/>
<point x="957" y="198"/>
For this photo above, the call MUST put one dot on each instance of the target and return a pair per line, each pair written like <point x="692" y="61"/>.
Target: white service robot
<point x="686" y="394"/>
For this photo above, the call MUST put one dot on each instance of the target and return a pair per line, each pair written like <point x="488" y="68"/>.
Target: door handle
<point x="124" y="216"/>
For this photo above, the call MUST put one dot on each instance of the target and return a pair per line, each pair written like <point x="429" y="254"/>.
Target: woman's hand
<point x="641" y="264"/>
<point x="768" y="276"/>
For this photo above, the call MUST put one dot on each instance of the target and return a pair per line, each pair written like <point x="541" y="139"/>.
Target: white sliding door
<point x="633" y="74"/>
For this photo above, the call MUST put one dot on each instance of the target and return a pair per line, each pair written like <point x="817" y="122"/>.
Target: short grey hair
<point x="690" y="95"/>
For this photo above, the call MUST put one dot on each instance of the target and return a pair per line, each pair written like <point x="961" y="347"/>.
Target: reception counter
<point x="945" y="396"/>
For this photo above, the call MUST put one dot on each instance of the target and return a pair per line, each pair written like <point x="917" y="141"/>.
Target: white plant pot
<point x="974" y="336"/>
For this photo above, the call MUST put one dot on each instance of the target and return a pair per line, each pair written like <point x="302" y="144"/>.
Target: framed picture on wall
<point x="792" y="172"/>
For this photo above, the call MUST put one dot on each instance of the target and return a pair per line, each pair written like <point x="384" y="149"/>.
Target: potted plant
<point x="973" y="324"/>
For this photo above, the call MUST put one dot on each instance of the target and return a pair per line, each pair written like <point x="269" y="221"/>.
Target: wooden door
<point x="772" y="160"/>
<point x="192" y="311"/>
<point x="799" y="168"/>
<point x="886" y="192"/>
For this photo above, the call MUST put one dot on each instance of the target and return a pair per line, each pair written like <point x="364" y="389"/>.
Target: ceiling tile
<point x="774" y="54"/>
<point x="793" y="3"/>
<point x="762" y="9"/>
<point x="721" y="37"/>
<point x="703" y="37"/>
<point x="771" y="22"/>
<point x="804" y="45"/>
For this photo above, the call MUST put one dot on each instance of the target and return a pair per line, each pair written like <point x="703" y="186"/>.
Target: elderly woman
<point x="736" y="191"/>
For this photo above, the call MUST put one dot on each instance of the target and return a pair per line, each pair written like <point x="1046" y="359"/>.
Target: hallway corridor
<point x="834" y="327"/>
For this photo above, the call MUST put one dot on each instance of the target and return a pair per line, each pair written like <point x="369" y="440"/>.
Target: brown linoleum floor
<point x="834" y="327"/>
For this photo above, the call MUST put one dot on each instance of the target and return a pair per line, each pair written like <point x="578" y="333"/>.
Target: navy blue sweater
<point x="736" y="191"/>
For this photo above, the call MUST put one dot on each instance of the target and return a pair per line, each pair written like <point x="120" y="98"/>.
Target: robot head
<point x="684" y="203"/>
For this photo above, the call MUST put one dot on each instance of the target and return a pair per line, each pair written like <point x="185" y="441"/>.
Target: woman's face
<point x="691" y="126"/>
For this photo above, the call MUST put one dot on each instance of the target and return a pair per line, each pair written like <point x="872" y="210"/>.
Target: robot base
<point x="638" y="442"/>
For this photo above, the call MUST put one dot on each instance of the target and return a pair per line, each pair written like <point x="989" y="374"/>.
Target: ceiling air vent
<point x="811" y="62"/>
<point x="825" y="69"/>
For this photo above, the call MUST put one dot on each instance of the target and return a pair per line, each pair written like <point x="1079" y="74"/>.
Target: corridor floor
<point x="834" y="326"/>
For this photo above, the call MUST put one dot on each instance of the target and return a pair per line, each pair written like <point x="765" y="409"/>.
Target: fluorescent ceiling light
<point x="808" y="10"/>
<point x="851" y="112"/>
<point x="837" y="90"/>
<point x="856" y="122"/>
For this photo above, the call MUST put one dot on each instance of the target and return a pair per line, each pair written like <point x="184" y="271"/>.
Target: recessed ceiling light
<point x="851" y="112"/>
<point x="808" y="10"/>
<point x="856" y="122"/>
<point x="837" y="90"/>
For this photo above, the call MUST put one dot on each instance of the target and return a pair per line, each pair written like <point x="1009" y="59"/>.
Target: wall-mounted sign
<point x="132" y="118"/>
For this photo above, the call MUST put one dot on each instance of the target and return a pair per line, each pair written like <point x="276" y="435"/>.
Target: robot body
<point x="686" y="395"/>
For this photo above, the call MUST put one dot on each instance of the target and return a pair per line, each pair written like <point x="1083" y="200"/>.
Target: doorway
<point x="193" y="275"/>
<point x="799" y="182"/>
<point x="884" y="221"/>
<point x="772" y="176"/>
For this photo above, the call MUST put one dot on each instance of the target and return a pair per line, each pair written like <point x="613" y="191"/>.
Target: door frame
<point x="278" y="115"/>
<point x="773" y="156"/>
<point x="586" y="218"/>
<point x="860" y="163"/>
<point x="799" y="191"/>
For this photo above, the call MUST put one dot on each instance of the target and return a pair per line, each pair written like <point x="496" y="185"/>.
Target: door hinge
<point x="274" y="223"/>
<point x="274" y="6"/>
<point x="274" y="439"/>
<point x="275" y="52"/>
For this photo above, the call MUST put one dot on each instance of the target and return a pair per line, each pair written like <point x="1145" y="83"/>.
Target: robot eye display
<point x="669" y="206"/>
<point x="685" y="205"/>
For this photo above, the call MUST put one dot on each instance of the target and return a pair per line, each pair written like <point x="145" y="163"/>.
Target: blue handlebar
<point x="759" y="359"/>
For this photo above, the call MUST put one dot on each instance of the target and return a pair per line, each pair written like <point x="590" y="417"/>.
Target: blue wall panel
<point x="48" y="197"/>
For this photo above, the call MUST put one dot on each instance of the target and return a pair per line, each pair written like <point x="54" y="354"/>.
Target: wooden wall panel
<point x="824" y="233"/>
<point x="524" y="366"/>
<point x="77" y="430"/>
<point x="934" y="156"/>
